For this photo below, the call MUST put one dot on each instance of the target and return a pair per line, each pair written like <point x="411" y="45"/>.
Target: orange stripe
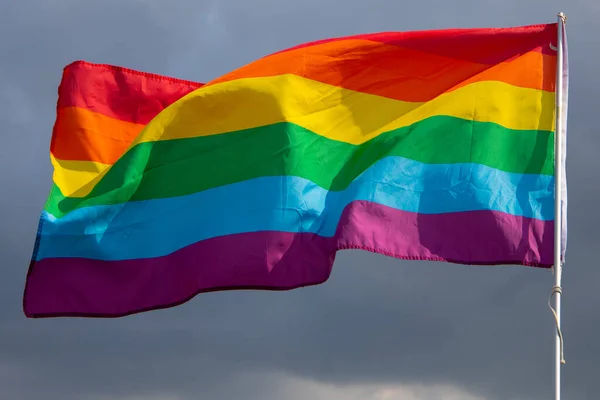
<point x="80" y="134"/>
<point x="532" y="70"/>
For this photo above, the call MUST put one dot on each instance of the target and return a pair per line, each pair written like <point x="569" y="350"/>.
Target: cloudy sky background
<point x="380" y="329"/>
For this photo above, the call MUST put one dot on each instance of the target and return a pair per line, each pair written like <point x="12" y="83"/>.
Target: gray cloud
<point x="377" y="323"/>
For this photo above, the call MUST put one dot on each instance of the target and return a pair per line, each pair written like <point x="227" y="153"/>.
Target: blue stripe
<point x="158" y="227"/>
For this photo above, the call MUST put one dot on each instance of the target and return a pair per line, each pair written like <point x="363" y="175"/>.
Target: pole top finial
<point x="562" y="16"/>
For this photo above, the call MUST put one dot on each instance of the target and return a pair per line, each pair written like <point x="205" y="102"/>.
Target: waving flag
<point x="431" y="145"/>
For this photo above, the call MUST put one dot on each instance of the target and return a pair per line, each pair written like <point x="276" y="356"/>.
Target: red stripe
<point x="119" y="93"/>
<point x="480" y="45"/>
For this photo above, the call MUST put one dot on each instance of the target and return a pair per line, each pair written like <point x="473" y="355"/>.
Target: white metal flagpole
<point x="560" y="192"/>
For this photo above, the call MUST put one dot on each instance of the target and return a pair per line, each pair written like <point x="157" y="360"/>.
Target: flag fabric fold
<point x="430" y="145"/>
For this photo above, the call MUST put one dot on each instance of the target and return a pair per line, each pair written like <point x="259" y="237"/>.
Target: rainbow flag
<point x="428" y="145"/>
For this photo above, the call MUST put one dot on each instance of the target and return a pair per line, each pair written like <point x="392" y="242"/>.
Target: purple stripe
<point x="280" y="260"/>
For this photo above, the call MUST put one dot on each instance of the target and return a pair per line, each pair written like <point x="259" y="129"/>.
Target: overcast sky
<point x="380" y="329"/>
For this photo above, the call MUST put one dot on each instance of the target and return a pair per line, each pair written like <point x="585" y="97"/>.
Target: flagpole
<point x="558" y="220"/>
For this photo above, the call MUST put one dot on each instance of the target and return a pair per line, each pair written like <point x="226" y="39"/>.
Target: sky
<point x="380" y="328"/>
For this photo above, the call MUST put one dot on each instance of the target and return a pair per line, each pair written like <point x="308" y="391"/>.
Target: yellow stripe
<point x="330" y="111"/>
<point x="337" y="113"/>
<point x="77" y="178"/>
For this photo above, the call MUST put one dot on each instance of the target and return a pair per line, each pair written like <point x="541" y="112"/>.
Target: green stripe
<point x="183" y="166"/>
